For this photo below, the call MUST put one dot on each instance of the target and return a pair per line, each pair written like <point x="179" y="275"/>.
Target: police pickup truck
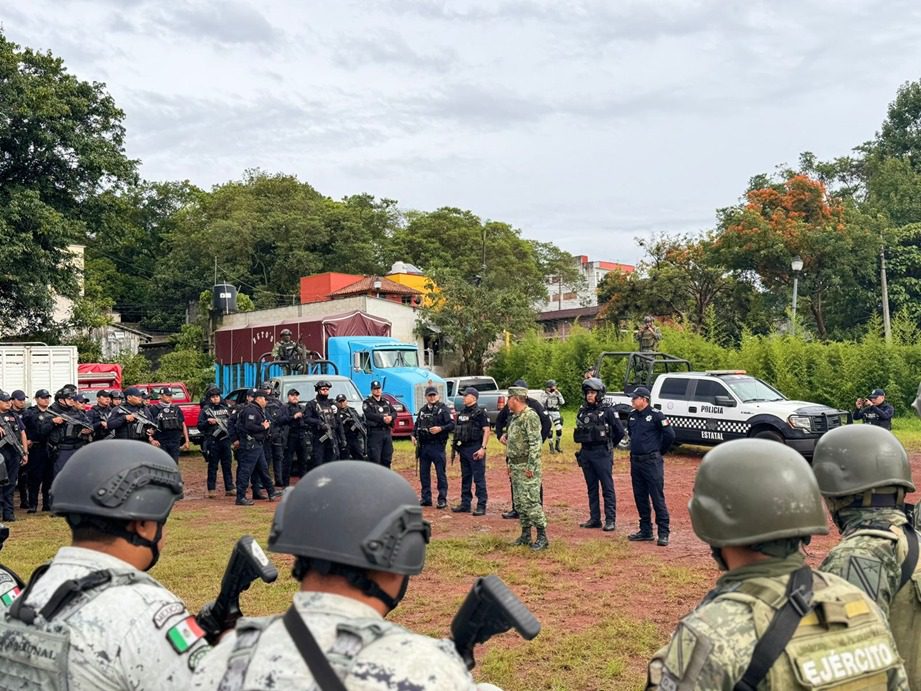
<point x="711" y="407"/>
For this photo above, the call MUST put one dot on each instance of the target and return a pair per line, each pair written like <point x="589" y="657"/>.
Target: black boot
<point x="510" y="514"/>
<point x="558" y="449"/>
<point x="541" y="542"/>
<point x="525" y="538"/>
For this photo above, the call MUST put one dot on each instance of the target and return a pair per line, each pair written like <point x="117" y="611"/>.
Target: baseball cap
<point x="4" y="396"/>
<point x="641" y="392"/>
<point x="521" y="382"/>
<point x="471" y="391"/>
<point x="117" y="394"/>
<point x="134" y="391"/>
<point x="80" y="398"/>
<point x="429" y="390"/>
<point x="104" y="392"/>
<point x="517" y="391"/>
<point x="341" y="397"/>
<point x="375" y="384"/>
<point x="18" y="395"/>
<point x="873" y="394"/>
<point x="294" y="392"/>
<point x="260" y="393"/>
<point x="43" y="393"/>
<point x="166" y="391"/>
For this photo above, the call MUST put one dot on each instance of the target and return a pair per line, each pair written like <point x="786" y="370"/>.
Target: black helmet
<point x="550" y="383"/>
<point x="213" y="391"/>
<point x="103" y="486"/>
<point x="121" y="480"/>
<point x="593" y="384"/>
<point x="322" y="384"/>
<point x="355" y="514"/>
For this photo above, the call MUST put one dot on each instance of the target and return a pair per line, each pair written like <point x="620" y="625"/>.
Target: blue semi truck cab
<point x="392" y="362"/>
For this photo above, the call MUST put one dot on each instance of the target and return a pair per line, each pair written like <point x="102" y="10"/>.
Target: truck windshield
<point x="752" y="390"/>
<point x="384" y="359"/>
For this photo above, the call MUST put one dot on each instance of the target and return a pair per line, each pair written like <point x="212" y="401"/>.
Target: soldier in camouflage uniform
<point x="864" y="474"/>
<point x="523" y="451"/>
<point x="10" y="584"/>
<point x="771" y="622"/>
<point x="357" y="534"/>
<point x="92" y="618"/>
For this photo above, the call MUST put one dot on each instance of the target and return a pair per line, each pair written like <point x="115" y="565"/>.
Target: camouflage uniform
<point x="368" y="652"/>
<point x="524" y="444"/>
<point x="648" y="337"/>
<point x="842" y="643"/>
<point x="133" y="634"/>
<point x="870" y="555"/>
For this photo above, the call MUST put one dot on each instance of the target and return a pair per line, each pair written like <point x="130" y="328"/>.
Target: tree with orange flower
<point x="796" y="217"/>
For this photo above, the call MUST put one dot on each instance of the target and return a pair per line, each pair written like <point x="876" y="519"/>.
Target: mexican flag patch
<point x="185" y="634"/>
<point x="7" y="598"/>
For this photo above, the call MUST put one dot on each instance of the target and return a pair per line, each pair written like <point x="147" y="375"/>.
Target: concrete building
<point x="566" y="297"/>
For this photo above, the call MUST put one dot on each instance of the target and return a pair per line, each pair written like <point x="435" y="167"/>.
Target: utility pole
<point x="887" y="324"/>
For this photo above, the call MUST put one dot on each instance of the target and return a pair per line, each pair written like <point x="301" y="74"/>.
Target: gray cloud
<point x="390" y="48"/>
<point x="231" y="22"/>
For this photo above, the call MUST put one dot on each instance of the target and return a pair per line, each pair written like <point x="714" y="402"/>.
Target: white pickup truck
<point x="711" y="407"/>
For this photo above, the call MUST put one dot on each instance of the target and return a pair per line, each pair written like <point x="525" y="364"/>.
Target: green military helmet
<point x="856" y="458"/>
<point x="750" y="491"/>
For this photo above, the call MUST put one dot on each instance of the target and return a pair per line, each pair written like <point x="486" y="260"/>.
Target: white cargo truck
<point x="34" y="366"/>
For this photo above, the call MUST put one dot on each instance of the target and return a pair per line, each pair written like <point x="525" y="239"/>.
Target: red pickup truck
<point x="183" y="399"/>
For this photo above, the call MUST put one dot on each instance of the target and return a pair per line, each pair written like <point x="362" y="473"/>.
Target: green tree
<point x="471" y="316"/>
<point x="188" y="362"/>
<point x="61" y="146"/>
<point x="795" y="217"/>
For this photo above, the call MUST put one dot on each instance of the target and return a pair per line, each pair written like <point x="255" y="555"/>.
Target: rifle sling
<point x="780" y="630"/>
<point x="911" y="559"/>
<point x="323" y="673"/>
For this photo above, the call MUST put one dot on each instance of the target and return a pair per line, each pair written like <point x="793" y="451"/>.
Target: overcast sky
<point x="587" y="123"/>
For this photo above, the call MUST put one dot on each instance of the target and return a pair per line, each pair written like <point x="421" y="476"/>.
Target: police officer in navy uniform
<point x="353" y="430"/>
<point x="18" y="407"/>
<point x="67" y="436"/>
<point x="10" y="455"/>
<point x="171" y="434"/>
<point x="471" y="432"/>
<point x="430" y="434"/>
<point x="325" y="429"/>
<point x="598" y="430"/>
<point x="40" y="469"/>
<point x="125" y="420"/>
<point x="380" y="417"/>
<point x="875" y="410"/>
<point x="251" y="428"/>
<point x="277" y="438"/>
<point x="213" y="421"/>
<point x="100" y="413"/>
<point x="651" y="435"/>
<point x="298" y="458"/>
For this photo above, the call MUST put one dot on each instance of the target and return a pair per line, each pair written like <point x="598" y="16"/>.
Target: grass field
<point x="605" y="604"/>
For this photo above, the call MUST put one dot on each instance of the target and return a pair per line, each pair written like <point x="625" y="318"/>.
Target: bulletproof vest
<point x="36" y="422"/>
<point x="222" y="415"/>
<point x="349" y="421"/>
<point x="352" y="636"/>
<point x="426" y="421"/>
<point x="169" y="418"/>
<point x="132" y="430"/>
<point x="591" y="427"/>
<point x="464" y="429"/>
<point x="34" y="645"/>
<point x="842" y="643"/>
<point x="552" y="402"/>
<point x="67" y="433"/>
<point x="273" y="408"/>
<point x="647" y="338"/>
<point x="297" y="425"/>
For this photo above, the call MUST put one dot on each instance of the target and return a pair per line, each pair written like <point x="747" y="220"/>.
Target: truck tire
<point x="770" y="435"/>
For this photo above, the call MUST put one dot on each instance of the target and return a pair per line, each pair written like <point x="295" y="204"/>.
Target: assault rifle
<point x="247" y="563"/>
<point x="141" y="418"/>
<point x="74" y="421"/>
<point x="221" y="423"/>
<point x="10" y="437"/>
<point x="490" y="608"/>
